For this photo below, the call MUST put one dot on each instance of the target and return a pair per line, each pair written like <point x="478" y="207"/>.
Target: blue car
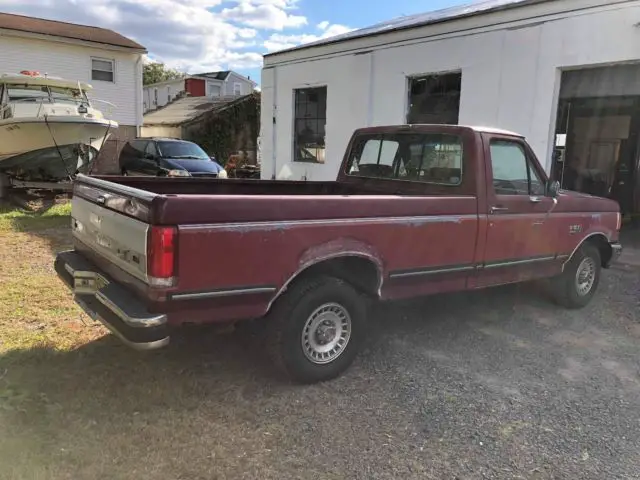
<point x="168" y="157"/>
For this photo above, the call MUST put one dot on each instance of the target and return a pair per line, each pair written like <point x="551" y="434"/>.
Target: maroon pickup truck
<point x="415" y="210"/>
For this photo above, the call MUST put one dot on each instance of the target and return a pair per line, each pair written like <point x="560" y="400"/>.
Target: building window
<point x="434" y="98"/>
<point x="102" y="70"/>
<point x="309" y="124"/>
<point x="429" y="158"/>
<point x="237" y="88"/>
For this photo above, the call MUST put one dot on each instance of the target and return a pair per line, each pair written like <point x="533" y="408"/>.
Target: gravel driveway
<point x="495" y="384"/>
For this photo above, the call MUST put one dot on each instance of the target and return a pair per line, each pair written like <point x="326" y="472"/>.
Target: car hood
<point x="194" y="166"/>
<point x="578" y="201"/>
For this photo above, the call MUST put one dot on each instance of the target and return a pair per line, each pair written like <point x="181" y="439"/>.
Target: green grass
<point x="77" y="404"/>
<point x="14" y="219"/>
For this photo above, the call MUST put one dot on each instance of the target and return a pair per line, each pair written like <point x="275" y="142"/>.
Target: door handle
<point x="495" y="209"/>
<point x="535" y="199"/>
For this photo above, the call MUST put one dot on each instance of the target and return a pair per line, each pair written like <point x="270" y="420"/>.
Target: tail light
<point x="618" y="222"/>
<point x="161" y="258"/>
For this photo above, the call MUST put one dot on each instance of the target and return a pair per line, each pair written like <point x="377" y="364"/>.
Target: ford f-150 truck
<point x="415" y="210"/>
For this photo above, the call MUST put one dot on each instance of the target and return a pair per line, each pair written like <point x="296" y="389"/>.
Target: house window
<point x="434" y="98"/>
<point x="102" y="70"/>
<point x="309" y="124"/>
<point x="237" y="88"/>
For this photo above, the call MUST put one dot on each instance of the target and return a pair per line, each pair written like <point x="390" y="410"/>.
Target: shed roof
<point x="73" y="31"/>
<point x="187" y="109"/>
<point x="419" y="20"/>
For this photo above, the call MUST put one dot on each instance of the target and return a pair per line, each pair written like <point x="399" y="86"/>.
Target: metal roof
<point x="419" y="20"/>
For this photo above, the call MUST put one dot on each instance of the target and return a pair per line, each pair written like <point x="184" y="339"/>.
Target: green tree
<point x="155" y="72"/>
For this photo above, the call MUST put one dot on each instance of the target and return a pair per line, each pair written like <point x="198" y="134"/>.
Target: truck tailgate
<point x="112" y="221"/>
<point x="118" y="238"/>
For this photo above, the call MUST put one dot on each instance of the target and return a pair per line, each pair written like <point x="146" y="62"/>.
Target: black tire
<point x="289" y="317"/>
<point x="565" y="287"/>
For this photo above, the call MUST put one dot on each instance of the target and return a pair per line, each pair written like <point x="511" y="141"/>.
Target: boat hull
<point x="20" y="136"/>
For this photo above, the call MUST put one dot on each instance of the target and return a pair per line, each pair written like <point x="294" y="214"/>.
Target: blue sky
<point x="208" y="35"/>
<point x="361" y="13"/>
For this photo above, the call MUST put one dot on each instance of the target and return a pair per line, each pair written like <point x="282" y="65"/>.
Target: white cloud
<point x="191" y="35"/>
<point x="264" y="14"/>
<point x="279" y="41"/>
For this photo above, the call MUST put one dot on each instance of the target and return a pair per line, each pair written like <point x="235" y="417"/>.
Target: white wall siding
<point x="247" y="86"/>
<point x="510" y="79"/>
<point x="165" y="90"/>
<point x="73" y="62"/>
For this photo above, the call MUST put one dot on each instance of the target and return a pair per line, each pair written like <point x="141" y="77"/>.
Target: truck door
<point x="521" y="240"/>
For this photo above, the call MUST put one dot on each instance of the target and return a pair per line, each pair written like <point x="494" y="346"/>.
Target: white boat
<point x="49" y="129"/>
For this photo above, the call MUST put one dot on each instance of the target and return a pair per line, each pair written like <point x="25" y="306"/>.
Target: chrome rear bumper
<point x="111" y="304"/>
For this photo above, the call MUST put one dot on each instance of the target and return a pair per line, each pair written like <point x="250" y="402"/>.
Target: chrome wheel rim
<point x="585" y="276"/>
<point x="326" y="333"/>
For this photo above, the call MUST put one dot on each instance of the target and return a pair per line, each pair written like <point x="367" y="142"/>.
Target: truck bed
<point x="177" y="201"/>
<point x="212" y="186"/>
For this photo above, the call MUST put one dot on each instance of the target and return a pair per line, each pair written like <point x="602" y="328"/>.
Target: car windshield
<point x="182" y="150"/>
<point x="44" y="93"/>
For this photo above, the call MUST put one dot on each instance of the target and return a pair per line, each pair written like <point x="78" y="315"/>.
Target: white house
<point x="108" y="61"/>
<point x="566" y="74"/>
<point x="212" y="84"/>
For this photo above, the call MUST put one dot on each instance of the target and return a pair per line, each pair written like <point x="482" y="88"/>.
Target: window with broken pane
<point x="434" y="99"/>
<point x="310" y="119"/>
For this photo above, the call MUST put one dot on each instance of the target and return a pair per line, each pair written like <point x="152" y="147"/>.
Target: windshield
<point x="182" y="150"/>
<point x="67" y="95"/>
<point x="43" y="93"/>
<point x="27" y="93"/>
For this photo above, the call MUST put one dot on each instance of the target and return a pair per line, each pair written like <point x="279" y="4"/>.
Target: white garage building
<point x="561" y="72"/>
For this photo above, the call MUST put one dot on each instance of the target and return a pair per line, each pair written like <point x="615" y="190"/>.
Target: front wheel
<point x="577" y="285"/>
<point x="316" y="329"/>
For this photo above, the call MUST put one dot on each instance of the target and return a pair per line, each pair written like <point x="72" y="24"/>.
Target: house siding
<point x="73" y="62"/>
<point x="165" y="90"/>
<point x="247" y="86"/>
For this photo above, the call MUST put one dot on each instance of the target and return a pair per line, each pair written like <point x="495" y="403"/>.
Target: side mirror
<point x="553" y="189"/>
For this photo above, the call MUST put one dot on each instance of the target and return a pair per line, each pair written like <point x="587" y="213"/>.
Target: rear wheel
<point x="316" y="329"/>
<point x="577" y="285"/>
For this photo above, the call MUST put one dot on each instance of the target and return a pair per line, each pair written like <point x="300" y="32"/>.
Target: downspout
<point x="138" y="100"/>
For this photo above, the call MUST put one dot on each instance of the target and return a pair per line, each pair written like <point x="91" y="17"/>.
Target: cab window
<point x="427" y="158"/>
<point x="513" y="173"/>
